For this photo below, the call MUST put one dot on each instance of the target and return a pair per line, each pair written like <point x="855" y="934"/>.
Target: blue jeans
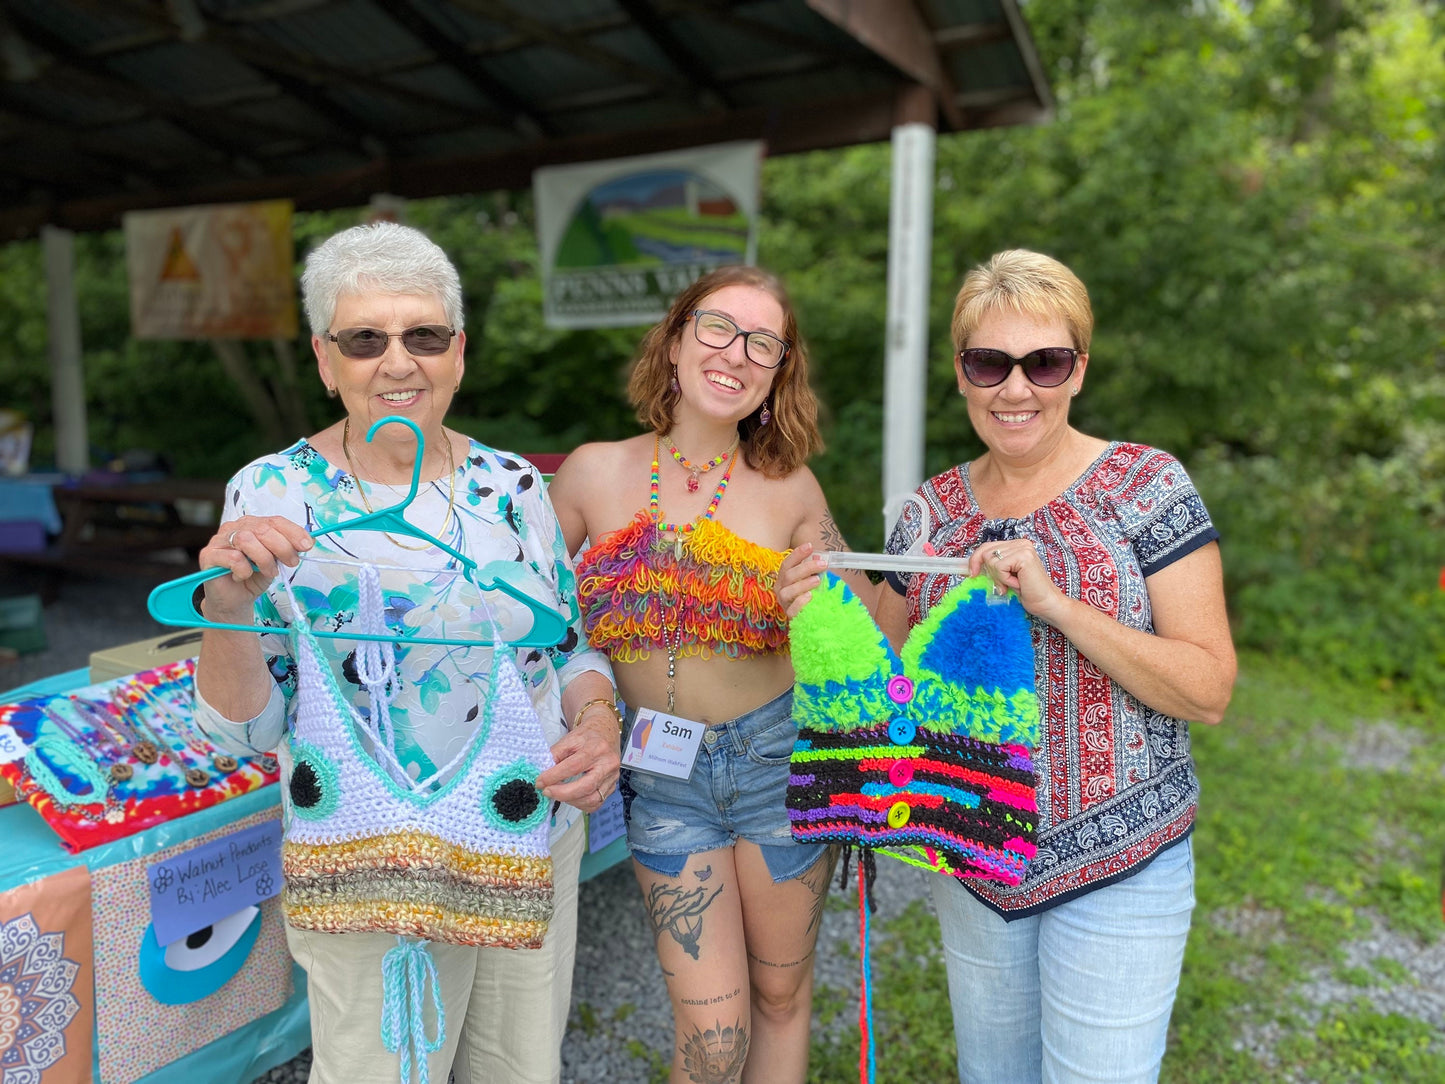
<point x="1080" y="992"/>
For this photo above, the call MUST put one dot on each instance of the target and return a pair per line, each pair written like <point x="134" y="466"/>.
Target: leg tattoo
<point x="816" y="880"/>
<point x="715" y="1056"/>
<point x="678" y="911"/>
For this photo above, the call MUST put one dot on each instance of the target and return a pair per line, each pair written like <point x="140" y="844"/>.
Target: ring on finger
<point x="231" y="539"/>
<point x="998" y="554"/>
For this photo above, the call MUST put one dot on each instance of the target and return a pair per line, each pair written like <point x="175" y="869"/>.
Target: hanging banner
<point x="220" y="272"/>
<point x="620" y="238"/>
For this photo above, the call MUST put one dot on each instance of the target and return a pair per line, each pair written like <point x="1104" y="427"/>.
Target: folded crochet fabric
<point x="926" y="756"/>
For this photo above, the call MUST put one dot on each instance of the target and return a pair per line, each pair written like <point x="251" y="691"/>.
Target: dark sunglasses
<point x="1047" y="367"/>
<point x="425" y="340"/>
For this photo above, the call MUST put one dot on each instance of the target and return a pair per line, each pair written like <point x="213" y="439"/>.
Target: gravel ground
<point x="619" y="1002"/>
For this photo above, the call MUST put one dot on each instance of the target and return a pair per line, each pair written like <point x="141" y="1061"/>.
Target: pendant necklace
<point x="224" y="762"/>
<point x="694" y="470"/>
<point x="680" y="531"/>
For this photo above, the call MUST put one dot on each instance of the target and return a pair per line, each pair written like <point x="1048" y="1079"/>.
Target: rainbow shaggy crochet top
<point x="927" y="754"/>
<point x="709" y="588"/>
<point x="467" y="863"/>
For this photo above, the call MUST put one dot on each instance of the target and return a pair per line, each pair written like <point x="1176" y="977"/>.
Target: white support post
<point x="910" y="255"/>
<point x="67" y="379"/>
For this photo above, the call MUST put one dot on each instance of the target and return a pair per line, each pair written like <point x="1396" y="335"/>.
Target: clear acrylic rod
<point x="896" y="562"/>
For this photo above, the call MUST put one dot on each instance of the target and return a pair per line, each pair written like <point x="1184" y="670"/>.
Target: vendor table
<point x="33" y="853"/>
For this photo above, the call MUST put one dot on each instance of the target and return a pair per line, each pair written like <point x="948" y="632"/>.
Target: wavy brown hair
<point x="778" y="448"/>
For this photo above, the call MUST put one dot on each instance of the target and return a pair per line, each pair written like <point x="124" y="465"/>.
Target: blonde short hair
<point x="1029" y="283"/>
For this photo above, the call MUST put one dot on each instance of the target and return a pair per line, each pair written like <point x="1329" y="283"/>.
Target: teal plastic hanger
<point x="173" y="602"/>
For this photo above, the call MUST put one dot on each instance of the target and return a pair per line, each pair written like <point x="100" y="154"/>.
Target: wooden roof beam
<point x="684" y="60"/>
<point x="543" y="33"/>
<point x="525" y="120"/>
<point x="896" y="31"/>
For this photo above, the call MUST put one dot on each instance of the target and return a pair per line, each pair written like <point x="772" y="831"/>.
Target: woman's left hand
<point x="1015" y="564"/>
<point x="587" y="763"/>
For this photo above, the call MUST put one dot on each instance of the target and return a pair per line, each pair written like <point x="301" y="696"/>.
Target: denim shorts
<point x="736" y="792"/>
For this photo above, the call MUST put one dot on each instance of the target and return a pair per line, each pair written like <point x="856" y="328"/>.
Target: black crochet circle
<point x="515" y="800"/>
<point x="305" y="785"/>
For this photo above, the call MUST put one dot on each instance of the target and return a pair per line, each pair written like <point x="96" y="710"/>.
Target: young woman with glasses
<point x="687" y="523"/>
<point x="1071" y="974"/>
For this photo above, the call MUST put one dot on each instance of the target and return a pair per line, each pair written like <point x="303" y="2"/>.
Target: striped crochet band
<point x="419" y="886"/>
<point x="417" y="919"/>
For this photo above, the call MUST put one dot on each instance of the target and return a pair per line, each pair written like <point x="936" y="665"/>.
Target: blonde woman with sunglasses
<point x="1071" y="975"/>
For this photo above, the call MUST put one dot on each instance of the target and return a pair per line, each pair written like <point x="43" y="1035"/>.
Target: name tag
<point x="663" y="744"/>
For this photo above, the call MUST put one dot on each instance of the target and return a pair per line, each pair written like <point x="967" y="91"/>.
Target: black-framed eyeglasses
<point x="718" y="331"/>
<point x="424" y="340"/>
<point x="1047" y="367"/>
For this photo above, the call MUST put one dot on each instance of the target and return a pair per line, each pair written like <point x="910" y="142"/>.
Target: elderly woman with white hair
<point x="431" y="860"/>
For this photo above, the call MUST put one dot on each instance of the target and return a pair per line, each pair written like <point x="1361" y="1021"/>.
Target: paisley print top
<point x="1116" y="779"/>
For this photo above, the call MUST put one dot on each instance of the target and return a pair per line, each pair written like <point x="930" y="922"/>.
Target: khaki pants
<point x="506" y="1009"/>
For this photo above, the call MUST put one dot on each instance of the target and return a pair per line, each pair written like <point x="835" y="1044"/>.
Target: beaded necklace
<point x="681" y="530"/>
<point x="451" y="483"/>
<point x="694" y="470"/>
<point x="671" y="633"/>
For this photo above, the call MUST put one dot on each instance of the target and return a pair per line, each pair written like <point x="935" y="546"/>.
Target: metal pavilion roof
<point x="112" y="105"/>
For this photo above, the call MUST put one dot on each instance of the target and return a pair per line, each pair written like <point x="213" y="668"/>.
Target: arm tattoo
<point x="715" y="1056"/>
<point x="829" y="534"/>
<point x="678" y="911"/>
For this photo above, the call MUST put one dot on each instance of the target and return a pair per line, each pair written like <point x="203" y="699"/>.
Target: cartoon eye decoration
<point x="314" y="788"/>
<point x="510" y="798"/>
<point x="200" y="963"/>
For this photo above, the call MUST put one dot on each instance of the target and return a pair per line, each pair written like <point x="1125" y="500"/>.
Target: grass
<point x="1321" y="828"/>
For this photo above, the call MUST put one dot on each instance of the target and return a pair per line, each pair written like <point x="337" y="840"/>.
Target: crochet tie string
<point x="406" y="971"/>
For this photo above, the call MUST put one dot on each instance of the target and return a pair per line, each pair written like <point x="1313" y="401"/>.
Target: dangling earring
<point x="330" y="391"/>
<point x="765" y="415"/>
<point x="676" y="387"/>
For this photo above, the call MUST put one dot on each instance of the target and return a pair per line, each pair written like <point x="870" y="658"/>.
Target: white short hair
<point x="384" y="257"/>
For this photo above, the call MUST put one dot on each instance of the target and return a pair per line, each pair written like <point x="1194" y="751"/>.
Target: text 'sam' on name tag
<point x="663" y="744"/>
<point x="205" y="884"/>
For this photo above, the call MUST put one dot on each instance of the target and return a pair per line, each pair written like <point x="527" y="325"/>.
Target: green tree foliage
<point x="1252" y="192"/>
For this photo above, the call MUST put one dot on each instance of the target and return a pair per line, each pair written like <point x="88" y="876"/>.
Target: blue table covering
<point x="28" y="500"/>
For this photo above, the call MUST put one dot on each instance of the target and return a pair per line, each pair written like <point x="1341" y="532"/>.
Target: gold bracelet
<point x="609" y="701"/>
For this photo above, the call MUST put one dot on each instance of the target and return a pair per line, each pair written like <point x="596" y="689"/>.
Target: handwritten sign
<point x="12" y="746"/>
<point x="205" y="884"/>
<point x="606" y="824"/>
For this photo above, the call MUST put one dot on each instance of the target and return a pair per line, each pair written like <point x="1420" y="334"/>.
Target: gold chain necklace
<point x="451" y="482"/>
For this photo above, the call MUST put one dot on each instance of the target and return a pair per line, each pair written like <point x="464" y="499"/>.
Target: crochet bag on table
<point x="927" y="755"/>
<point x="467" y="863"/>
